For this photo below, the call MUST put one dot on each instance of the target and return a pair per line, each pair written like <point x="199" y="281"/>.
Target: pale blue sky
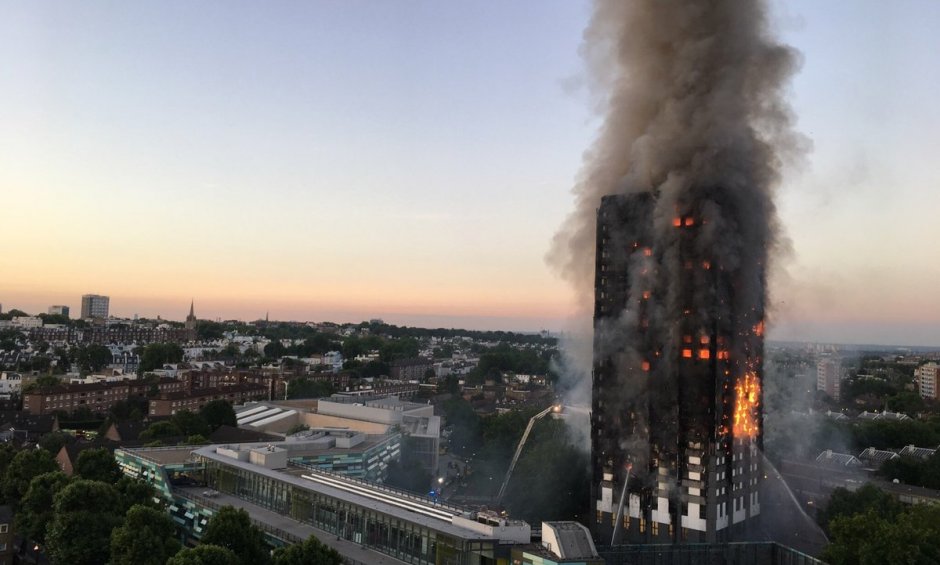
<point x="411" y="160"/>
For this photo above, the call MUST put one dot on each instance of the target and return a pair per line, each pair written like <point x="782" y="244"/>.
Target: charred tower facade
<point x="676" y="420"/>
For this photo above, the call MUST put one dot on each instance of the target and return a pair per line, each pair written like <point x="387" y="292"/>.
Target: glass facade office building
<point x="403" y="526"/>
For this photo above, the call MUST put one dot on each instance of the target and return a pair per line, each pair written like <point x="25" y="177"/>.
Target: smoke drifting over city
<point x="692" y="98"/>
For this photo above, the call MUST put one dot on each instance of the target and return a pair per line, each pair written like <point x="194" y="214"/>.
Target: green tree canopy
<point x="53" y="441"/>
<point x="156" y="355"/>
<point x="134" y="409"/>
<point x="310" y="551"/>
<point x="84" y="514"/>
<point x="147" y="537"/>
<point x="35" y="511"/>
<point x="231" y="528"/>
<point x="869" y="538"/>
<point x="160" y="430"/>
<point x="26" y="465"/>
<point x="550" y="462"/>
<point x="97" y="465"/>
<point x="307" y="388"/>
<point x="844" y="503"/>
<point x="190" y="423"/>
<point x="218" y="413"/>
<point x="207" y="330"/>
<point x="7" y="453"/>
<point x="135" y="493"/>
<point x="93" y="357"/>
<point x="42" y="382"/>
<point x="205" y="555"/>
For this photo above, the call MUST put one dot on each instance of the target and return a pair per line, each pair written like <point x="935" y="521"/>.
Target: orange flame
<point x="746" y="401"/>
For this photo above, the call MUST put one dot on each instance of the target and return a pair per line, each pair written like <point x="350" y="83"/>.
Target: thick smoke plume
<point x="692" y="98"/>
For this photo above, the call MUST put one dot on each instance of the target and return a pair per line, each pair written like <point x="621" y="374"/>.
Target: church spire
<point x="191" y="319"/>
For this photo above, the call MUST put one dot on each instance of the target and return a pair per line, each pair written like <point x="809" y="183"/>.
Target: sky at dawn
<point x="345" y="160"/>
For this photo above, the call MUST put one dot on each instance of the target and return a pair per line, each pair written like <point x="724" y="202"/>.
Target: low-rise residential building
<point x="411" y="369"/>
<point x="98" y="397"/>
<point x="873" y="458"/>
<point x="22" y="426"/>
<point x="27" y="322"/>
<point x="169" y="403"/>
<point x="10" y="384"/>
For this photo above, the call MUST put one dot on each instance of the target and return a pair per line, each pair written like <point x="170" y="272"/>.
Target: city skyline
<point x="393" y="162"/>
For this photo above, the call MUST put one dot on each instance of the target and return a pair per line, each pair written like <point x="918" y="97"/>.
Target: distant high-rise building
<point x="95" y="306"/>
<point x="829" y="377"/>
<point x="927" y="377"/>
<point x="191" y="318"/>
<point x="676" y="420"/>
<point x="59" y="310"/>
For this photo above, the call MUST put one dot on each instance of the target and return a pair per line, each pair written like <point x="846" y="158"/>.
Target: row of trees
<point x="506" y="358"/>
<point x="99" y="516"/>
<point x="196" y="426"/>
<point x="913" y="471"/>
<point x="870" y="527"/>
<point x="552" y="461"/>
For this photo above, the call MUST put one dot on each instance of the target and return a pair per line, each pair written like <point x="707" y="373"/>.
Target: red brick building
<point x="97" y="397"/>
<point x="169" y="403"/>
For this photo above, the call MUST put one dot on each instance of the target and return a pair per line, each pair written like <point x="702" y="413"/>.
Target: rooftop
<point x="405" y="506"/>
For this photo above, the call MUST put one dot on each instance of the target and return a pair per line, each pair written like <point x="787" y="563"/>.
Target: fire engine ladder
<point x="515" y="457"/>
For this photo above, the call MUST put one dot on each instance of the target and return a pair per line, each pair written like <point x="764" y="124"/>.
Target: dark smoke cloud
<point x="692" y="98"/>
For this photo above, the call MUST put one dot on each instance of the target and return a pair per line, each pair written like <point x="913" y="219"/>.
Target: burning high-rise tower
<point x="676" y="418"/>
<point x="672" y="231"/>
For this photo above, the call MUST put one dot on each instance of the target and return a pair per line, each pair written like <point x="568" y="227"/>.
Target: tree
<point x="35" y="510"/>
<point x="231" y="528"/>
<point x="54" y="441"/>
<point x="844" y="502"/>
<point x="190" y="423"/>
<point x="147" y="537"/>
<point x="551" y="462"/>
<point x="42" y="382"/>
<point x="219" y="413"/>
<point x="26" y="465"/>
<point x="160" y="430"/>
<point x="55" y="319"/>
<point x="93" y="357"/>
<point x="465" y="426"/>
<point x="205" y="555"/>
<point x="306" y="388"/>
<point x="135" y="493"/>
<point x="14" y="313"/>
<point x="7" y="453"/>
<point x="870" y="538"/>
<point x="84" y="513"/>
<point x="155" y="355"/>
<point x="274" y="350"/>
<point x="207" y="330"/>
<point x="297" y="428"/>
<point x="310" y="551"/>
<point x="133" y="408"/>
<point x="97" y="465"/>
